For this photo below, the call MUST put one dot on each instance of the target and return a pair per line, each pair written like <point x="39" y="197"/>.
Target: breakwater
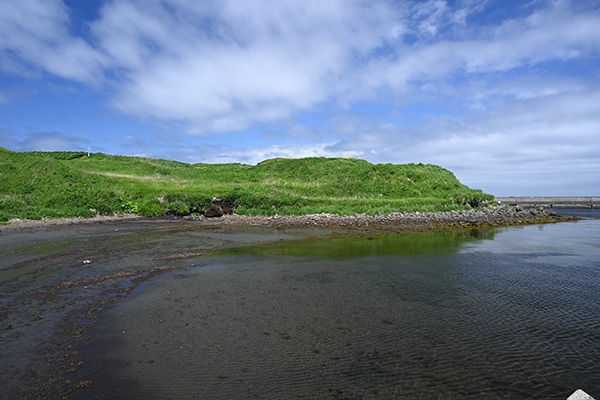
<point x="396" y="222"/>
<point x="551" y="202"/>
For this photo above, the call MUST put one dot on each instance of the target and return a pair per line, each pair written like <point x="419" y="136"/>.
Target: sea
<point x="505" y="313"/>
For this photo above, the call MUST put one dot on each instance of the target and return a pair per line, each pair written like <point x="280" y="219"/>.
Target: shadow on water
<point x="350" y="247"/>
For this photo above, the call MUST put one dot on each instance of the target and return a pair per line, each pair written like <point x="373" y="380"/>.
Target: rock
<point x="194" y="217"/>
<point x="195" y="210"/>
<point x="214" y="211"/>
<point x="226" y="206"/>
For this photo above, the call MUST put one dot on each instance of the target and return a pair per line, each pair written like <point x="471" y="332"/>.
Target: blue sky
<point x="505" y="94"/>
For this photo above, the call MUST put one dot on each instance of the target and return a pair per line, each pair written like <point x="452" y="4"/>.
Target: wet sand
<point x="57" y="277"/>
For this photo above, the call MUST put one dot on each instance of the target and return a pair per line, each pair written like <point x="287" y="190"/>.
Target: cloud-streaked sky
<point x="505" y="94"/>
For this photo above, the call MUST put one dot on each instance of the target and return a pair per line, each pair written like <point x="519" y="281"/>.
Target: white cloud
<point x="37" y="32"/>
<point x="249" y="64"/>
<point x="50" y="141"/>
<point x="539" y="145"/>
<point x="557" y="34"/>
<point x="429" y="16"/>
<point x="255" y="155"/>
<point x="301" y="132"/>
<point x="219" y="66"/>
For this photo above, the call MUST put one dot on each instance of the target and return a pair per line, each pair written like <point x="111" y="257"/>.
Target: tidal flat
<point x="168" y="308"/>
<point x="56" y="279"/>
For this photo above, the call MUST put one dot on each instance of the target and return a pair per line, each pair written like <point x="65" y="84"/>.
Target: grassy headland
<point x="34" y="185"/>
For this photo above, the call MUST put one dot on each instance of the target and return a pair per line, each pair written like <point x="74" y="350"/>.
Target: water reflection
<point x="448" y="315"/>
<point x="420" y="243"/>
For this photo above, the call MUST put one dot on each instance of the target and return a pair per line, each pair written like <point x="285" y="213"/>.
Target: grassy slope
<point x="60" y="184"/>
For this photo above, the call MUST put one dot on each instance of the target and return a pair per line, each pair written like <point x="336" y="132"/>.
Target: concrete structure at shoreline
<point x="551" y="202"/>
<point x="580" y="395"/>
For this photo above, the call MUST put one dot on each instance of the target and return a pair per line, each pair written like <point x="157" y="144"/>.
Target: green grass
<point x="67" y="184"/>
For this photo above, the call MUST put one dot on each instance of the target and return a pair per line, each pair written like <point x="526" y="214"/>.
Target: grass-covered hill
<point x="67" y="184"/>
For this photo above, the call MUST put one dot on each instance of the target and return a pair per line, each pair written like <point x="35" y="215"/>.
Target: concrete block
<point x="580" y="395"/>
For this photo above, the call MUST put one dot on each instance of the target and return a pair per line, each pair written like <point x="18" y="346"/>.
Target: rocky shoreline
<point x="490" y="216"/>
<point x="399" y="222"/>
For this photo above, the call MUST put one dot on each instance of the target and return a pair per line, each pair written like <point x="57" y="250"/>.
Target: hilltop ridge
<point x="68" y="184"/>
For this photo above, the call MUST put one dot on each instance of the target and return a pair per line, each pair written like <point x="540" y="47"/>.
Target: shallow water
<point x="588" y="213"/>
<point x="511" y="313"/>
<point x="54" y="279"/>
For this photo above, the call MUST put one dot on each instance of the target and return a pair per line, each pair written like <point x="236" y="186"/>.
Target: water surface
<point x="511" y="313"/>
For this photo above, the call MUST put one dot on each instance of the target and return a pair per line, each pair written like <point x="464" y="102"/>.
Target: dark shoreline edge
<point x="492" y="216"/>
<point x="487" y="217"/>
<point x="588" y="202"/>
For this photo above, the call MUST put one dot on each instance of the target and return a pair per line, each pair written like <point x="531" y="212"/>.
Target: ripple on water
<point x="451" y="326"/>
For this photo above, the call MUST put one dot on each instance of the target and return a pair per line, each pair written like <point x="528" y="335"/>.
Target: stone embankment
<point x="489" y="216"/>
<point x="551" y="202"/>
<point x="362" y="223"/>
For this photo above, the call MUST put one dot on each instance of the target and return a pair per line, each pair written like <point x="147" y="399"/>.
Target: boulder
<point x="226" y="205"/>
<point x="214" y="211"/>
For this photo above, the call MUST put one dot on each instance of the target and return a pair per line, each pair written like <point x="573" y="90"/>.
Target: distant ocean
<point x="591" y="213"/>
